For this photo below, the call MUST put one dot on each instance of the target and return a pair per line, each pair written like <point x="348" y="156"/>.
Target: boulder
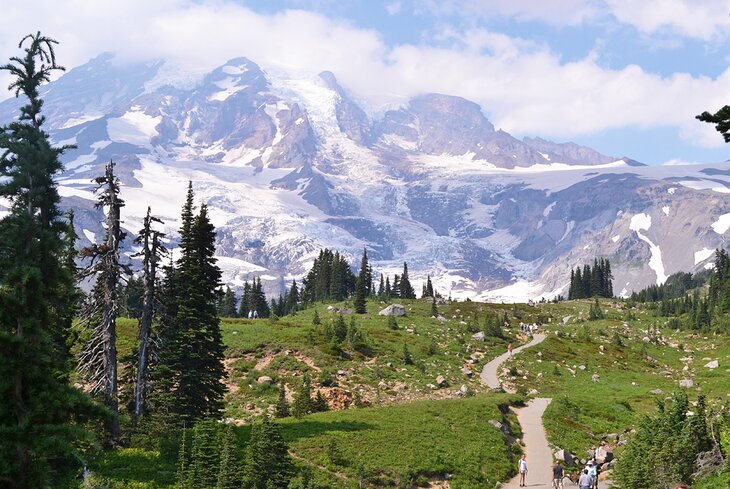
<point x="713" y="364"/>
<point x="441" y="319"/>
<point x="478" y="336"/>
<point x="441" y="381"/>
<point x="265" y="379"/>
<point x="496" y="424"/>
<point x="396" y="310"/>
<point x="532" y="393"/>
<point x="345" y="311"/>
<point x="467" y="372"/>
<point x="581" y="367"/>
<point x="687" y="383"/>
<point x="566" y="319"/>
<point x="603" y="455"/>
<point x="463" y="391"/>
<point x="331" y="309"/>
<point x="657" y="392"/>
<point x="596" y="378"/>
<point x="564" y="456"/>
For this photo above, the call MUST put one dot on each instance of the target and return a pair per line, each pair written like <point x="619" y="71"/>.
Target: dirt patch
<point x="269" y="357"/>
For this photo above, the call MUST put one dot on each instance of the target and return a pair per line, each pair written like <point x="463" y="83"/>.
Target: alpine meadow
<point x="314" y="245"/>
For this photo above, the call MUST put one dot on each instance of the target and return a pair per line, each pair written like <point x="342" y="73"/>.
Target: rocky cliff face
<point x="291" y="165"/>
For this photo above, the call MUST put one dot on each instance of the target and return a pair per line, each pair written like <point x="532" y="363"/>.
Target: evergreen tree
<point x="315" y="319"/>
<point x="227" y="307"/>
<point x="182" y="475"/>
<point x="259" y="302"/>
<point x="388" y="290"/>
<point x="381" y="287"/>
<point x="292" y="299"/>
<point x="205" y="456"/>
<point x="406" y="289"/>
<point x="190" y="367"/>
<point x="434" y="309"/>
<point x="428" y="287"/>
<point x="282" y="405"/>
<point x="319" y="404"/>
<point x="131" y="298"/>
<point x="407" y="358"/>
<point x="230" y="472"/>
<point x="339" y="329"/>
<point x="721" y="120"/>
<point x="269" y="465"/>
<point x="302" y="403"/>
<point x="41" y="415"/>
<point x="362" y="286"/>
<point x="245" y="306"/>
<point x="355" y="339"/>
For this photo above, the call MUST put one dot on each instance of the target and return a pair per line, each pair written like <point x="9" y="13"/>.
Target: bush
<point x="665" y="447"/>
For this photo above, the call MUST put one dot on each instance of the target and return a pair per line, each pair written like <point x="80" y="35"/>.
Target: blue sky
<point x="622" y="76"/>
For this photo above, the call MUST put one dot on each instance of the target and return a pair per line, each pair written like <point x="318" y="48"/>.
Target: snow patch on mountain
<point x="228" y="86"/>
<point x="703" y="255"/>
<point x="134" y="127"/>
<point x="722" y="224"/>
<point x="642" y="222"/>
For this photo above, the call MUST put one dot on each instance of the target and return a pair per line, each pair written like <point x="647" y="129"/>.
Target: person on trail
<point x="522" y="466"/>
<point x="558" y="474"/>
<point x="585" y="481"/>
<point x="509" y="349"/>
<point x="592" y="469"/>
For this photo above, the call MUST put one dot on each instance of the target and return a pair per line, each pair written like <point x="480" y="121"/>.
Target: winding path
<point x="538" y="452"/>
<point x="489" y="372"/>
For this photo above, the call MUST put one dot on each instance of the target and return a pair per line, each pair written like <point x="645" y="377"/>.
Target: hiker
<point x="558" y="474"/>
<point x="255" y="314"/>
<point x="585" y="481"/>
<point x="592" y="469"/>
<point x="250" y="314"/>
<point x="522" y="466"/>
<point x="509" y="349"/>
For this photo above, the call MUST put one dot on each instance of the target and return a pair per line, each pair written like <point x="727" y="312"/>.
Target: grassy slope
<point x="430" y="437"/>
<point x="385" y="445"/>
<point x="248" y="341"/>
<point x="583" y="410"/>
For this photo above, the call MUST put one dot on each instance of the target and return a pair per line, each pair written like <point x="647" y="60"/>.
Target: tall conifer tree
<point x="362" y="285"/>
<point x="192" y="352"/>
<point x="39" y="409"/>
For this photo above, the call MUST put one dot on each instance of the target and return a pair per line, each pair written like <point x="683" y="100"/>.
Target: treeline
<point x="330" y="279"/>
<point x="677" y="285"/>
<point x="596" y="281"/>
<point x="682" y="300"/>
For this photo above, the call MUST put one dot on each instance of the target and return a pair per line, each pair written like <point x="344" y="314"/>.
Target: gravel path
<point x="537" y="449"/>
<point x="489" y="372"/>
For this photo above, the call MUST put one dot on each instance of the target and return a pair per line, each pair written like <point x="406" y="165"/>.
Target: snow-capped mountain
<point x="289" y="165"/>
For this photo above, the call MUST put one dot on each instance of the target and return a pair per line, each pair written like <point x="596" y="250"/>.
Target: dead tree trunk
<point x="151" y="253"/>
<point x="98" y="359"/>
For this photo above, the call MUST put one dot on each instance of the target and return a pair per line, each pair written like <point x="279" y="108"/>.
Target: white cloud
<point x="394" y="8"/>
<point x="556" y="12"/>
<point x="700" y="19"/>
<point x="523" y="86"/>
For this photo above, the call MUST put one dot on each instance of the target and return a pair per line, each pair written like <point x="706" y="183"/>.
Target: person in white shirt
<point x="522" y="467"/>
<point x="585" y="480"/>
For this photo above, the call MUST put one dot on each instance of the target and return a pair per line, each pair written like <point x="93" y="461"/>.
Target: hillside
<point x="408" y="414"/>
